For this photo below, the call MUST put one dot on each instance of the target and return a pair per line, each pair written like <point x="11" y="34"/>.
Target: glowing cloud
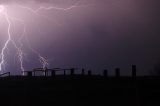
<point x="18" y="44"/>
<point x="1" y="8"/>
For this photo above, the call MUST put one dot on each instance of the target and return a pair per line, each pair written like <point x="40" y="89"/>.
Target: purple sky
<point x="97" y="34"/>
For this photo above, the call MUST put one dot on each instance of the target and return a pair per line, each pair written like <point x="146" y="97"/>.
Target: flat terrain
<point x="79" y="91"/>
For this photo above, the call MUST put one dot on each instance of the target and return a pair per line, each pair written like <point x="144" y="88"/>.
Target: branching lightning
<point x="19" y="45"/>
<point x="2" y="54"/>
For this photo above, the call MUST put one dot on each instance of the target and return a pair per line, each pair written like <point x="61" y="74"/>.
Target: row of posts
<point x="89" y="73"/>
<point x="117" y="72"/>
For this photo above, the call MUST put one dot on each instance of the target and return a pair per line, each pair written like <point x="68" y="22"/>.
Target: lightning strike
<point x="20" y="53"/>
<point x="18" y="46"/>
<point x="2" y="54"/>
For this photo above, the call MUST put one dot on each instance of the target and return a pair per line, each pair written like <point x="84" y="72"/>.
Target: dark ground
<point x="79" y="91"/>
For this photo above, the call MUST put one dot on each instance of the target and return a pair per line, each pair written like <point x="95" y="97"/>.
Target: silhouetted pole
<point x="72" y="71"/>
<point x="46" y="72"/>
<point x="29" y="73"/>
<point x="64" y="72"/>
<point x="9" y="74"/>
<point x="105" y="73"/>
<point x="89" y="73"/>
<point x="117" y="70"/>
<point x="53" y="73"/>
<point x="83" y="72"/>
<point x="134" y="69"/>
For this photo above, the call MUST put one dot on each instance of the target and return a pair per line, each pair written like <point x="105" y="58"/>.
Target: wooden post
<point x="117" y="70"/>
<point x="45" y="72"/>
<point x="134" y="71"/>
<point x="53" y="73"/>
<point x="29" y="73"/>
<point x="9" y="74"/>
<point x="89" y="73"/>
<point x="83" y="72"/>
<point x="72" y="71"/>
<point x="64" y="72"/>
<point x="105" y="73"/>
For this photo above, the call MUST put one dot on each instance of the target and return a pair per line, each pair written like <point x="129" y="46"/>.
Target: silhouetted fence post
<point x="72" y="71"/>
<point x="9" y="74"/>
<point x="29" y="73"/>
<point x="45" y="72"/>
<point x="64" y="72"/>
<point x="134" y="71"/>
<point x="117" y="70"/>
<point x="53" y="73"/>
<point x="83" y="72"/>
<point x="89" y="73"/>
<point x="105" y="73"/>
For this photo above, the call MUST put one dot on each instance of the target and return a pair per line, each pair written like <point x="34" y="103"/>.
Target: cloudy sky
<point x="96" y="34"/>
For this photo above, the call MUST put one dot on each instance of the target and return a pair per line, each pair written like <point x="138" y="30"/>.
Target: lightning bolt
<point x="3" y="10"/>
<point x="2" y="56"/>
<point x="18" y="46"/>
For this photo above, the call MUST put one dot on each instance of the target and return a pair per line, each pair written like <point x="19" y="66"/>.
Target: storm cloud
<point x="38" y="1"/>
<point x="99" y="34"/>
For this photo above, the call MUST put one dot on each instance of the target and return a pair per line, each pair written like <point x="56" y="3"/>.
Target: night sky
<point x="97" y="34"/>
